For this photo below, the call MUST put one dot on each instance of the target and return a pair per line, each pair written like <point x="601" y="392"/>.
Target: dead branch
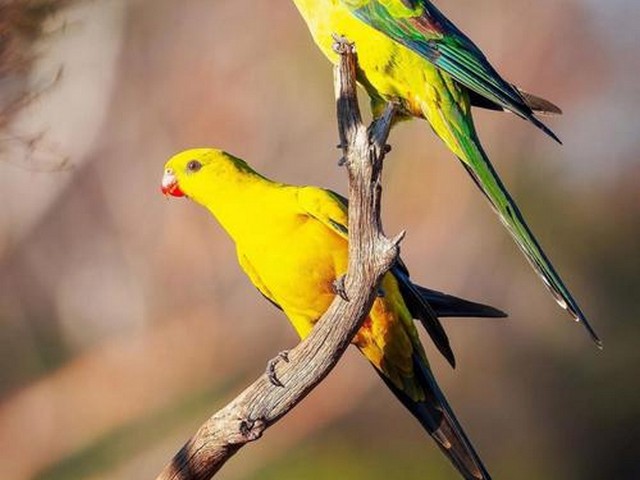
<point x="371" y="254"/>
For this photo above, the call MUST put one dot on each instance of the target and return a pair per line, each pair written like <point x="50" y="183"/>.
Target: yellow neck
<point x="236" y="196"/>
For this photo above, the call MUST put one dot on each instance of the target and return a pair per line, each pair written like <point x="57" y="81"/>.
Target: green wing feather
<point x="421" y="27"/>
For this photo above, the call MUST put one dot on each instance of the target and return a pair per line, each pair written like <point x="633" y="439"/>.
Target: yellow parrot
<point x="292" y="243"/>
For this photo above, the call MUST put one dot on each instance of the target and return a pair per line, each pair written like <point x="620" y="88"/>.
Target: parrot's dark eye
<point x="194" y="166"/>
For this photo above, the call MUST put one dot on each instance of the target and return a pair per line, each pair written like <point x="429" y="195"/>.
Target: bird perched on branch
<point x="292" y="243"/>
<point x="410" y="53"/>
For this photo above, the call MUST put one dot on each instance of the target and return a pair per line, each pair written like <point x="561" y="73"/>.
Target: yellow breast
<point x="297" y="259"/>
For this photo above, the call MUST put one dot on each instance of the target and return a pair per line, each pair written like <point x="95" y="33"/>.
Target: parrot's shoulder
<point x="324" y="205"/>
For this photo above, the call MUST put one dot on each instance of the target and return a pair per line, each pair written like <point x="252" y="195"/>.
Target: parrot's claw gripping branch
<point x="339" y="288"/>
<point x="371" y="254"/>
<point x="271" y="367"/>
<point x="341" y="45"/>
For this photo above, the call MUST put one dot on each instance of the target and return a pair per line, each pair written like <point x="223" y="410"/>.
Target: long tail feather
<point x="538" y="105"/>
<point x="438" y="419"/>
<point x="446" y="305"/>
<point x="487" y="179"/>
<point x="422" y="310"/>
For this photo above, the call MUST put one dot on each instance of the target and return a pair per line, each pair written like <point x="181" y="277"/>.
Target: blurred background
<point x="125" y="320"/>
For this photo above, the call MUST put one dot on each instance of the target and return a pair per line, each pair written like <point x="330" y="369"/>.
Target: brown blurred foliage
<point x="125" y="320"/>
<point x="21" y="28"/>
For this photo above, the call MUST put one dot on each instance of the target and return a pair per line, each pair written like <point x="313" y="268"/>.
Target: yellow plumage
<point x="390" y="71"/>
<point x="292" y="243"/>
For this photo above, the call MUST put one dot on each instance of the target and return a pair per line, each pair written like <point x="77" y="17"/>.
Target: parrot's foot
<point x="342" y="161"/>
<point x="271" y="367"/>
<point x="341" y="44"/>
<point x="340" y="289"/>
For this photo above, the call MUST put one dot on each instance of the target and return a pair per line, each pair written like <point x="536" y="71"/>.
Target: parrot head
<point x="199" y="173"/>
<point x="180" y="170"/>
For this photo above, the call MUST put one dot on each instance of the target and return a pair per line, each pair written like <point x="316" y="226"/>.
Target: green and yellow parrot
<point x="292" y="243"/>
<point x="410" y="53"/>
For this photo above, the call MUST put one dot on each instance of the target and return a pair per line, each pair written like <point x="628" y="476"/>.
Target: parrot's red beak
<point x="170" y="184"/>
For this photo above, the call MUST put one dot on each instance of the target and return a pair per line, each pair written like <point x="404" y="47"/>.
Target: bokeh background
<point x="125" y="321"/>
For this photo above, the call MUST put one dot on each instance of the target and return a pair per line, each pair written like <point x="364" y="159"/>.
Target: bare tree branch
<point x="371" y="254"/>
